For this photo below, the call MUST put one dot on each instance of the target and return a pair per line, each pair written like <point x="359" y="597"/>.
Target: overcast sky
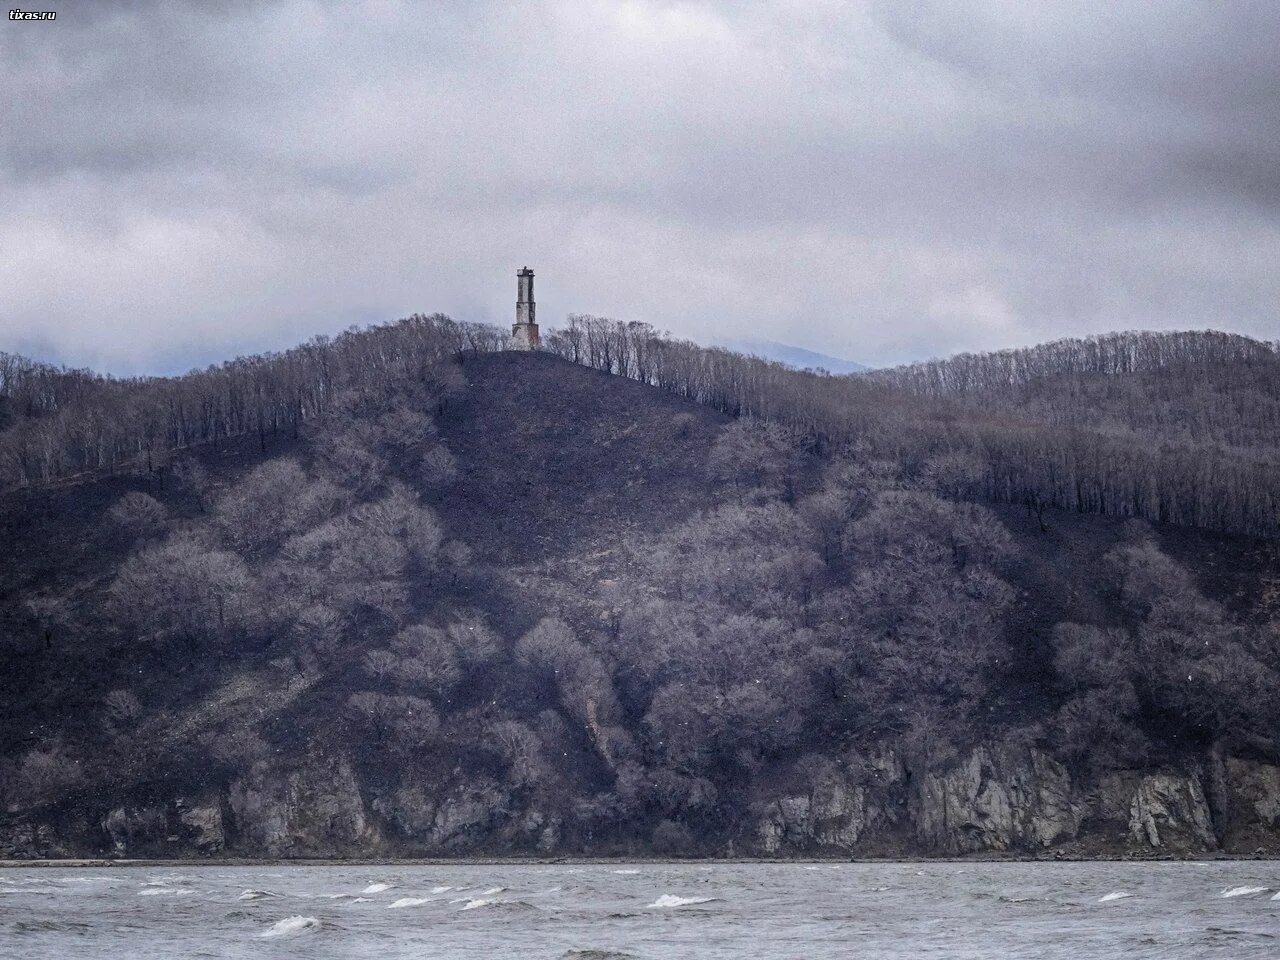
<point x="880" y="181"/>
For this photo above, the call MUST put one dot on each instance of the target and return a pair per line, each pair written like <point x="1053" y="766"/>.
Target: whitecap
<point x="670" y="900"/>
<point x="1242" y="892"/>
<point x="290" y="926"/>
<point x="377" y="887"/>
<point x="409" y="902"/>
<point x="362" y="900"/>
<point x="165" y="891"/>
<point x="626" y="873"/>
<point x="493" y="890"/>
<point x="256" y="895"/>
<point x="1276" y="896"/>
<point x="1117" y="895"/>
<point x="478" y="903"/>
<point x="441" y="889"/>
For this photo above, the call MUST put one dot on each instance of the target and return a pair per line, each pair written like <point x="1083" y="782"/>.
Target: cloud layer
<point x="888" y="181"/>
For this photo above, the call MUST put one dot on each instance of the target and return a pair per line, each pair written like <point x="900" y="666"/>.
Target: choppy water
<point x="605" y="911"/>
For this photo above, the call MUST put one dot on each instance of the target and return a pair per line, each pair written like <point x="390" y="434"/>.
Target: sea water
<point x="612" y="911"/>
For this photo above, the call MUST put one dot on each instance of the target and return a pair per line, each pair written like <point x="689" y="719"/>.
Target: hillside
<point x="436" y="598"/>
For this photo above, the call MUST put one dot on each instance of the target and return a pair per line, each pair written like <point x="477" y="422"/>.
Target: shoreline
<point x="85" y="862"/>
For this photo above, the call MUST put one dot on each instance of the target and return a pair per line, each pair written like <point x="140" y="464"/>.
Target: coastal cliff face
<point x="1003" y="799"/>
<point x="997" y="799"/>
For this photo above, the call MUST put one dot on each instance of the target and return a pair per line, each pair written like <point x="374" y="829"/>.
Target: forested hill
<point x="405" y="592"/>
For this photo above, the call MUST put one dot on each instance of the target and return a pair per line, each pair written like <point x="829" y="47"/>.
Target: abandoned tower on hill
<point x="525" y="330"/>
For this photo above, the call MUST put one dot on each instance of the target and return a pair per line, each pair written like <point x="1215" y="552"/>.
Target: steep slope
<point x="510" y="604"/>
<point x="558" y="459"/>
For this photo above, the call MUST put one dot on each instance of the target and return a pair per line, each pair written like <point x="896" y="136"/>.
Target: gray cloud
<point x="879" y="180"/>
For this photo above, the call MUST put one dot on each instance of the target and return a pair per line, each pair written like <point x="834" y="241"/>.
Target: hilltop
<point x="407" y="593"/>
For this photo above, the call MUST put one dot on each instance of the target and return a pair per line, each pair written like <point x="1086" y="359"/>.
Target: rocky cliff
<point x="998" y="799"/>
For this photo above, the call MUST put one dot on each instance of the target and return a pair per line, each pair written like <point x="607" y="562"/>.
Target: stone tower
<point x="525" y="330"/>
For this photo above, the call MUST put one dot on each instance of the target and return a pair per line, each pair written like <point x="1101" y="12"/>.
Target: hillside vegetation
<point x="406" y="592"/>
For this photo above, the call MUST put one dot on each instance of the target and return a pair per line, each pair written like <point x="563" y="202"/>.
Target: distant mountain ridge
<point x="793" y="356"/>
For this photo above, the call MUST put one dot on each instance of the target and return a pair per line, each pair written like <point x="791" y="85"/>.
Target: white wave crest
<point x="479" y="902"/>
<point x="1242" y="892"/>
<point x="670" y="900"/>
<point x="493" y="890"/>
<point x="409" y="902"/>
<point x="626" y="873"/>
<point x="256" y="895"/>
<point x="165" y="892"/>
<point x="290" y="926"/>
<point x="441" y="889"/>
<point x="1117" y="895"/>
<point x="377" y="887"/>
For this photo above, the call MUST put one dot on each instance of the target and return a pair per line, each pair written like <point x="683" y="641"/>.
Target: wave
<point x="596" y="955"/>
<point x="377" y="887"/>
<point x="1117" y="895"/>
<point x="1242" y="892"/>
<point x="291" y="926"/>
<point x="670" y="900"/>
<point x="441" y="889"/>
<point x="625" y="873"/>
<point x="410" y="902"/>
<point x="165" y="891"/>
<point x="493" y="890"/>
<point x="492" y="903"/>
<point x="256" y="895"/>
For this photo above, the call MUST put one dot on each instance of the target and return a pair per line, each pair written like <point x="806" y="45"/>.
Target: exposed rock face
<point x="1257" y="789"/>
<point x="1000" y="798"/>
<point x="23" y="840"/>
<point x="1167" y="810"/>
<point x="315" y="810"/>
<point x="135" y="830"/>
<point x="203" y="828"/>
<point x="833" y="815"/>
<point x="1004" y="797"/>
<point x="463" y="817"/>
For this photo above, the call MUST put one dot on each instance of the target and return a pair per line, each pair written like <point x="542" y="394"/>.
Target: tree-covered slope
<point x="420" y="596"/>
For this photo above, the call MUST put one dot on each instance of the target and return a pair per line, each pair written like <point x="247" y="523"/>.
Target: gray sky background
<point x="183" y="182"/>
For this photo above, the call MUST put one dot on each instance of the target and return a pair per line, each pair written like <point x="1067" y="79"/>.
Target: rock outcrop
<point x="1162" y="811"/>
<point x="313" y="810"/>
<point x="998" y="798"/>
<point x="1012" y="798"/>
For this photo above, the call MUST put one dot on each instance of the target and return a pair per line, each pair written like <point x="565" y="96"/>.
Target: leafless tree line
<point x="1184" y="430"/>
<point x="63" y="422"/>
<point x="1170" y="427"/>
